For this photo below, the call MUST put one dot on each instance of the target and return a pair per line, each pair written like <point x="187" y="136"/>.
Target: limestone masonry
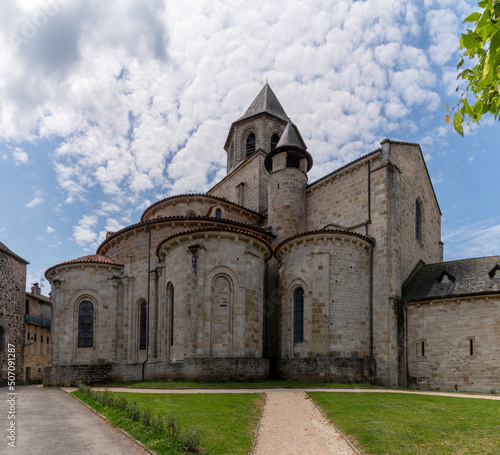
<point x="267" y="275"/>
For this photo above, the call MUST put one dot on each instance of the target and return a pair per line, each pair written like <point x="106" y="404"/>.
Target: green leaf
<point x="473" y="17"/>
<point x="460" y="63"/>
<point x="495" y="52"/>
<point x="457" y="123"/>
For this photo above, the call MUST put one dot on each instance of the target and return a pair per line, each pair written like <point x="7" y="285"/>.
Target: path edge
<point x="341" y="433"/>
<point x="139" y="443"/>
<point x="258" y="425"/>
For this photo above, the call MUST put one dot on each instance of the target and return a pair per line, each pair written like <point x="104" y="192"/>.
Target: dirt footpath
<point x="292" y="425"/>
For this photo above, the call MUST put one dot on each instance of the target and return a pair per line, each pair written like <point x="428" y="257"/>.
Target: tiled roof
<point x="265" y="102"/>
<point x="175" y="219"/>
<point x="6" y="250"/>
<point x="212" y="229"/>
<point x="471" y="277"/>
<point x="195" y="195"/>
<point x="325" y="231"/>
<point x="41" y="297"/>
<point x="91" y="259"/>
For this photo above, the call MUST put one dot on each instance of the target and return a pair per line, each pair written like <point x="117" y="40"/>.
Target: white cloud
<point x="481" y="238"/>
<point x="50" y="230"/>
<point x="83" y="233"/>
<point x="20" y="156"/>
<point x="37" y="200"/>
<point x="142" y="93"/>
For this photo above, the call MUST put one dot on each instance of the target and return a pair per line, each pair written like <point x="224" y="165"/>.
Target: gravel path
<point x="292" y="425"/>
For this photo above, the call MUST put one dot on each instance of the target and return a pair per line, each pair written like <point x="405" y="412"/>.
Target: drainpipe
<point x="369" y="221"/>
<point x="147" y="306"/>
<point x="406" y="343"/>
<point x="416" y="361"/>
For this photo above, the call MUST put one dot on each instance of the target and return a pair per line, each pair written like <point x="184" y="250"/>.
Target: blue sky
<point x="106" y="107"/>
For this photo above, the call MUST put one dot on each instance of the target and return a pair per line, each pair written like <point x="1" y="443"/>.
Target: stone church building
<point x="269" y="275"/>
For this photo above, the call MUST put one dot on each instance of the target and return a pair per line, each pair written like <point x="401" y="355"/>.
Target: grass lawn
<point x="227" y="421"/>
<point x="385" y="423"/>
<point x="229" y="385"/>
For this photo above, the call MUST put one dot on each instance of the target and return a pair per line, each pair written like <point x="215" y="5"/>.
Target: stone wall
<point x="327" y="369"/>
<point x="246" y="185"/>
<point x="287" y="201"/>
<point x="263" y="126"/>
<point x="12" y="307"/>
<point x="333" y="269"/>
<point x="99" y="284"/>
<point x="206" y="370"/>
<point x="70" y="375"/>
<point x="446" y="329"/>
<point x="218" y="282"/>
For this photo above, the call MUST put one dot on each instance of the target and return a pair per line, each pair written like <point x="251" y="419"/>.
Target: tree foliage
<point x="481" y="50"/>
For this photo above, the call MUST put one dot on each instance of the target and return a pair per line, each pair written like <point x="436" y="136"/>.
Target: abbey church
<point x="268" y="275"/>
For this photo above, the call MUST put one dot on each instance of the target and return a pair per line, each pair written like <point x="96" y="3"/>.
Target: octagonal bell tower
<point x="258" y="129"/>
<point x="288" y="165"/>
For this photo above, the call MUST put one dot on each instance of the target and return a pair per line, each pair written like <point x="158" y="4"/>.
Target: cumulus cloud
<point x="84" y="233"/>
<point x="142" y="93"/>
<point x="20" y="156"/>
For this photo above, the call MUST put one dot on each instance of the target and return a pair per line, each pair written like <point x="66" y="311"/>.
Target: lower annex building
<point x="267" y="275"/>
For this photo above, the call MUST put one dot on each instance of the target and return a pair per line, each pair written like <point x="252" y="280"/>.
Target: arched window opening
<point x="191" y="214"/>
<point x="298" y="313"/>
<point x="86" y="325"/>
<point x="274" y="141"/>
<point x="293" y="161"/>
<point x="418" y="220"/>
<point x="250" y="144"/>
<point x="171" y="316"/>
<point x="143" y="326"/>
<point x="218" y="213"/>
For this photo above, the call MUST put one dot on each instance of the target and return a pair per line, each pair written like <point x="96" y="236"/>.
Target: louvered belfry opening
<point x="250" y="144"/>
<point x="274" y="141"/>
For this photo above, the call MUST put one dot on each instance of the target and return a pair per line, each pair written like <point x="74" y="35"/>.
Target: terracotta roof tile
<point x="91" y="259"/>
<point x="212" y="229"/>
<point x="325" y="231"/>
<point x="187" y="219"/>
<point x="195" y="195"/>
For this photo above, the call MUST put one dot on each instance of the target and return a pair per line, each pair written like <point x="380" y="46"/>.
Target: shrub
<point x="190" y="441"/>
<point x="172" y="427"/>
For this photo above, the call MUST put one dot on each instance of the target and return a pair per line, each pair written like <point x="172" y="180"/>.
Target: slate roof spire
<point x="291" y="138"/>
<point x="265" y="102"/>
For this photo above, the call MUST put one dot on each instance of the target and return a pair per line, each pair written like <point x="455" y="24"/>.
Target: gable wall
<point x="413" y="183"/>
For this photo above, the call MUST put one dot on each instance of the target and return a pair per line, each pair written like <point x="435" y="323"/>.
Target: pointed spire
<point x="292" y="144"/>
<point x="291" y="138"/>
<point x="265" y="102"/>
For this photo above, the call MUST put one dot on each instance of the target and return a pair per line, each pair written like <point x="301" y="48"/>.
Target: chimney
<point x="35" y="289"/>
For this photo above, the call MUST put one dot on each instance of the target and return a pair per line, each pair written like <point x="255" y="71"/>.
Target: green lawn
<point x="230" y="385"/>
<point x="400" y="424"/>
<point x="227" y="421"/>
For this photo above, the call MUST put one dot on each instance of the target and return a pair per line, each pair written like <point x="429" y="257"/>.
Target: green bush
<point x="190" y="441"/>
